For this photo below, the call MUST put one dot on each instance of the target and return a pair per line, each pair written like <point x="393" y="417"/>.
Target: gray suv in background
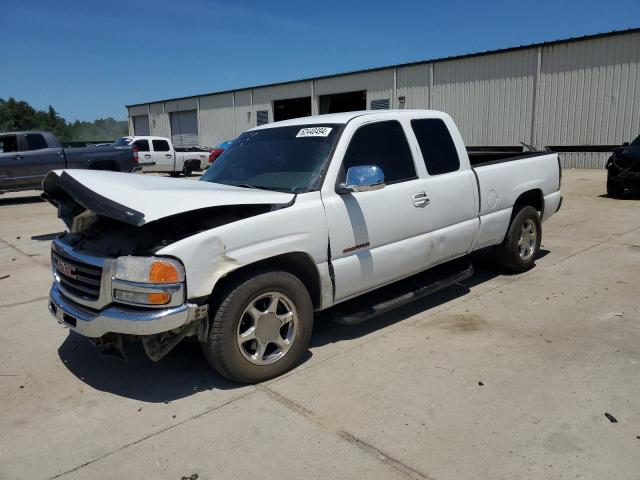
<point x="26" y="157"/>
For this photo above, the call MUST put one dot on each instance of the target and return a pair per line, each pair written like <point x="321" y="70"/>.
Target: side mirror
<point x="362" y="178"/>
<point x="625" y="144"/>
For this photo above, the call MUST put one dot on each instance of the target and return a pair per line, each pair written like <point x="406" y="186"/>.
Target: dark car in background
<point x="26" y="157"/>
<point x="623" y="169"/>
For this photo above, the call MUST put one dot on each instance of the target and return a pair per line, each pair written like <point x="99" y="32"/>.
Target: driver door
<point x="378" y="236"/>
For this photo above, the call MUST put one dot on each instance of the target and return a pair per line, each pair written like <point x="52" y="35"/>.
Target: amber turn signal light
<point x="163" y="272"/>
<point x="159" y="298"/>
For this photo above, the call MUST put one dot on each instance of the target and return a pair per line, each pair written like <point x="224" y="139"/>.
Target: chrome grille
<point x="78" y="278"/>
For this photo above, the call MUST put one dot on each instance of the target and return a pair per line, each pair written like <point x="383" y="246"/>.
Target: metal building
<point x="579" y="96"/>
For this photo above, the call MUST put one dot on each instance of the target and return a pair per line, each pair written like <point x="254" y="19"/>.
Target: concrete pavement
<point x="502" y="377"/>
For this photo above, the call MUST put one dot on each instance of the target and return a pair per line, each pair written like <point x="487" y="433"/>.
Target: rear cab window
<point x="437" y="147"/>
<point x="384" y="145"/>
<point x="8" y="143"/>
<point x="35" y="141"/>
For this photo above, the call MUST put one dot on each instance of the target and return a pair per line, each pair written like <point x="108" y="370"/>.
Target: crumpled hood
<point x="138" y="199"/>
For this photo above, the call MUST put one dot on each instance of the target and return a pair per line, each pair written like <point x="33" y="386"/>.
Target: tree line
<point x="18" y="115"/>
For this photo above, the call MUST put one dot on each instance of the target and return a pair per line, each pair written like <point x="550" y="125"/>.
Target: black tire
<point x="508" y="252"/>
<point x="615" y="189"/>
<point x="187" y="172"/>
<point x="222" y="350"/>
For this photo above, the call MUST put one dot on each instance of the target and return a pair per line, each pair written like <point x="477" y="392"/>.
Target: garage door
<point x="184" y="128"/>
<point x="141" y="125"/>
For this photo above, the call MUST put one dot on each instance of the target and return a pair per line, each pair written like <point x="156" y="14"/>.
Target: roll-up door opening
<point x="141" y="125"/>
<point x="343" y="102"/>
<point x="291" y="108"/>
<point x="184" y="128"/>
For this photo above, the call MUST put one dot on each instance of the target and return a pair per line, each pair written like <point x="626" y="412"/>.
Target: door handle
<point x="168" y="155"/>
<point x="420" y="199"/>
<point x="147" y="156"/>
<point x="18" y="157"/>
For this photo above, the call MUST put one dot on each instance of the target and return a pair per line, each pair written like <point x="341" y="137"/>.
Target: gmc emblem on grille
<point x="66" y="269"/>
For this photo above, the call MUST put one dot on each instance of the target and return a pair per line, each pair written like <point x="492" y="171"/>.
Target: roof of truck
<point x="346" y="117"/>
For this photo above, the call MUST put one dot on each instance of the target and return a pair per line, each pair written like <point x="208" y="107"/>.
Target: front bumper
<point x="119" y="319"/>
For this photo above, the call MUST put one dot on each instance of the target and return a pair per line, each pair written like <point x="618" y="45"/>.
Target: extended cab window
<point x="35" y="141"/>
<point x="8" y="143"/>
<point x="160" y="145"/>
<point x="385" y="145"/>
<point x="143" y="145"/>
<point x="437" y="147"/>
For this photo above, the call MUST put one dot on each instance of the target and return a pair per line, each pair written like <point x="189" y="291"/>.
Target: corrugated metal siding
<point x="490" y="97"/>
<point x="263" y="97"/>
<point x="413" y="84"/>
<point x="181" y="105"/>
<point x="138" y="110"/>
<point x="217" y="119"/>
<point x="245" y="118"/>
<point x="159" y="120"/>
<point x="583" y="159"/>
<point x="589" y="92"/>
<point x="377" y="84"/>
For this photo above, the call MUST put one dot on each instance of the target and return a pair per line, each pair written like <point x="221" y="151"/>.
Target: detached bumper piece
<point x="118" y="319"/>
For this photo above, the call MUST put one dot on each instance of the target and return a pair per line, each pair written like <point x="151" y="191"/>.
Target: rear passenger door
<point x="450" y="190"/>
<point x="26" y="159"/>
<point x="39" y="159"/>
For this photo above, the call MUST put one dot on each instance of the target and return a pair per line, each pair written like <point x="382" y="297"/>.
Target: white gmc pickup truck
<point x="296" y="217"/>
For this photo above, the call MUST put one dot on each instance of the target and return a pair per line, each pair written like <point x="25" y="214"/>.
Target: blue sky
<point x="88" y="59"/>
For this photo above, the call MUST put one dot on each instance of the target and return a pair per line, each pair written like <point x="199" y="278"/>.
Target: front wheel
<point x="614" y="189"/>
<point x="518" y="252"/>
<point x="261" y="328"/>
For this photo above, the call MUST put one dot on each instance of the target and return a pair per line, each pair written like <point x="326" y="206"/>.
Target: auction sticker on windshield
<point x="314" y="132"/>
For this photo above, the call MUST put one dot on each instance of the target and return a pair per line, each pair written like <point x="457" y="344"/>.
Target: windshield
<point x="636" y="142"/>
<point x="287" y="159"/>
<point x="121" y="142"/>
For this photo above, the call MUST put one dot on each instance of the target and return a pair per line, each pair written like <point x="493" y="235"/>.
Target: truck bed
<point x="479" y="158"/>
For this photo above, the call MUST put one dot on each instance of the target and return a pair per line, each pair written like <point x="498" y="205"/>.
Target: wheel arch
<point x="531" y="198"/>
<point x="299" y="264"/>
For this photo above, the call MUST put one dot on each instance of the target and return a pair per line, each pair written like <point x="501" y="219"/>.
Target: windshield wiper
<point x="261" y="187"/>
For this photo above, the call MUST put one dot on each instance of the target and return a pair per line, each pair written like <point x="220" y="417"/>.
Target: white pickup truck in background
<point x="297" y="217"/>
<point x="160" y="155"/>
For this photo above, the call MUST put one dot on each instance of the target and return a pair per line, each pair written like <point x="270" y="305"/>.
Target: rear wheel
<point x="261" y="328"/>
<point x="518" y="252"/>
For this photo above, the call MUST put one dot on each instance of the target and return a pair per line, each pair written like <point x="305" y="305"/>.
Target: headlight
<point x="149" y="270"/>
<point x="149" y="281"/>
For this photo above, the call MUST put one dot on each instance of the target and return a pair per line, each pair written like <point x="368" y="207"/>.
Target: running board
<point x="400" y="293"/>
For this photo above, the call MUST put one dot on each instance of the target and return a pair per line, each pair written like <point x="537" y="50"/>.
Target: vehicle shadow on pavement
<point x="20" y="200"/>
<point x="183" y="372"/>
<point x="630" y="195"/>
<point x="46" y="237"/>
<point x="485" y="269"/>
